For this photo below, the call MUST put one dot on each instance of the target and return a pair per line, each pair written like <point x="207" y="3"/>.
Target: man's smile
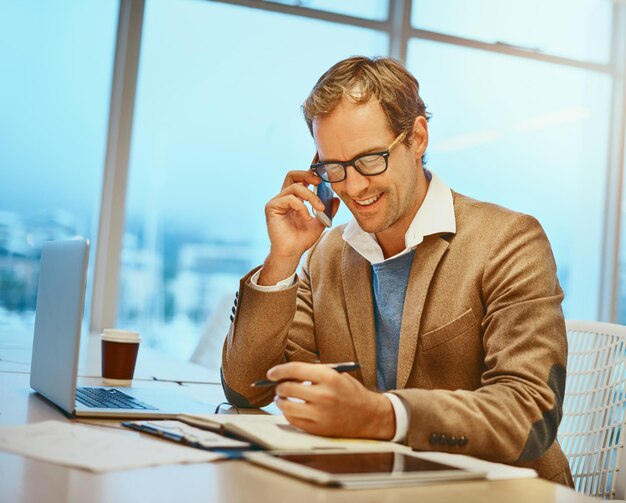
<point x="367" y="201"/>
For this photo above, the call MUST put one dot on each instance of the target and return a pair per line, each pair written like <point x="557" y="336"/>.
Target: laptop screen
<point x="60" y="304"/>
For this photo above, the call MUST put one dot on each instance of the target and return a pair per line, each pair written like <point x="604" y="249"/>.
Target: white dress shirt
<point x="435" y="215"/>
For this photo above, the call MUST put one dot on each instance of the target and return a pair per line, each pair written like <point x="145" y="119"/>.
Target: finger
<point x="303" y="193"/>
<point x="292" y="389"/>
<point x="293" y="409"/>
<point x="304" y="424"/>
<point x="300" y="176"/>
<point x="286" y="203"/>
<point x="301" y="371"/>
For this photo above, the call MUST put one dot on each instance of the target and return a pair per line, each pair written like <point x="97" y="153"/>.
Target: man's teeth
<point x="367" y="202"/>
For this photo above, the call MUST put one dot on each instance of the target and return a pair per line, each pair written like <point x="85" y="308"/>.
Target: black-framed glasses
<point x="370" y="164"/>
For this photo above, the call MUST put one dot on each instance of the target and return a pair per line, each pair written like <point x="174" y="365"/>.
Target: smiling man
<point x="451" y="305"/>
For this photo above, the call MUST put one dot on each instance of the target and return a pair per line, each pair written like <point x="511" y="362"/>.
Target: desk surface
<point x="26" y="480"/>
<point x="16" y="352"/>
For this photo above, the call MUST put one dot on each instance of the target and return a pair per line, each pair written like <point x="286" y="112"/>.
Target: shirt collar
<point x="434" y="216"/>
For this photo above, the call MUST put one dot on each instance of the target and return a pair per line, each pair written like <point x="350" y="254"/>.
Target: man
<point x="452" y="306"/>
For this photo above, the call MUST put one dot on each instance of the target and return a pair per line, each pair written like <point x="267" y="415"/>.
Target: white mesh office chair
<point x="591" y="432"/>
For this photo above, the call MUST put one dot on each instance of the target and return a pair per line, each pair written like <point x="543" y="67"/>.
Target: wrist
<point x="384" y="425"/>
<point x="276" y="269"/>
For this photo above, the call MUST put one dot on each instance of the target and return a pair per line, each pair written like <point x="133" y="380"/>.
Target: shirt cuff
<point x="281" y="285"/>
<point x="402" y="417"/>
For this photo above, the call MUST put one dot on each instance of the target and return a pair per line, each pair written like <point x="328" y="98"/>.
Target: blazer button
<point x="453" y="440"/>
<point x="443" y="439"/>
<point x="434" y="439"/>
<point x="462" y="440"/>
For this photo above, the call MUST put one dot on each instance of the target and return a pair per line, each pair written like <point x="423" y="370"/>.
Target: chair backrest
<point x="594" y="407"/>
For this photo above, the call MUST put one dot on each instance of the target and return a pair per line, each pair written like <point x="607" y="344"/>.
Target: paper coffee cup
<point x="119" y="355"/>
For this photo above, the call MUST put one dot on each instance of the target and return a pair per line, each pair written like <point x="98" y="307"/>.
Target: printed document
<point x="94" y="449"/>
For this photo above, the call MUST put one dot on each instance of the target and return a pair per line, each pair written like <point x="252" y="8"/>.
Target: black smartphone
<point x="326" y="194"/>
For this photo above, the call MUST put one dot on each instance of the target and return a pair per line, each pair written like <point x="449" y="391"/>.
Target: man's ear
<point x="419" y="137"/>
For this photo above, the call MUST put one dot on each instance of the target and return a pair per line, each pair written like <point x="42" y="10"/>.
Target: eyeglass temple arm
<point x="400" y="137"/>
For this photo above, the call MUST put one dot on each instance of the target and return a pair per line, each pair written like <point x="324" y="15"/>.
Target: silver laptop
<point x="56" y="345"/>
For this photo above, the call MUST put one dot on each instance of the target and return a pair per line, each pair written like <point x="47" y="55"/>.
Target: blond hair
<point x="360" y="79"/>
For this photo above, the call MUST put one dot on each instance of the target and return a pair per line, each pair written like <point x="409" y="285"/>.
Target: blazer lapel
<point x="357" y="283"/>
<point x="425" y="262"/>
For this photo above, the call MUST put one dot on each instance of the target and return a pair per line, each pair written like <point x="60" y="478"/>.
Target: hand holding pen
<point x="319" y="400"/>
<point x="337" y="367"/>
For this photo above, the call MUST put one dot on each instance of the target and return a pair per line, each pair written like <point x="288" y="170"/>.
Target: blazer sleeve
<point x="514" y="416"/>
<point x="268" y="328"/>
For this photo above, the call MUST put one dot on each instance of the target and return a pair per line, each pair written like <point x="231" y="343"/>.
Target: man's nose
<point x="355" y="182"/>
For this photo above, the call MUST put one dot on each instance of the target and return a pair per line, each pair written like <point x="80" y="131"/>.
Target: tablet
<point x="362" y="469"/>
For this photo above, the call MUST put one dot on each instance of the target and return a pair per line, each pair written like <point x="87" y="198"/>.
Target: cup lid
<point x="117" y="335"/>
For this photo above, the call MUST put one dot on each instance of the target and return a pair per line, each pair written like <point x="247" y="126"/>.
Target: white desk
<point x="25" y="480"/>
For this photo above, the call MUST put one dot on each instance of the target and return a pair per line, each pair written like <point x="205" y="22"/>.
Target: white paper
<point x="495" y="471"/>
<point x="217" y="420"/>
<point x="275" y="432"/>
<point x="287" y="437"/>
<point x="94" y="449"/>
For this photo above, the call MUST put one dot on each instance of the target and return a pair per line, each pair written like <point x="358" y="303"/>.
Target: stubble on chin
<point x="374" y="225"/>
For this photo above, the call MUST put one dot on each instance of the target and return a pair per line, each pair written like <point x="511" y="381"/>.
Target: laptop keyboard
<point x="103" y="398"/>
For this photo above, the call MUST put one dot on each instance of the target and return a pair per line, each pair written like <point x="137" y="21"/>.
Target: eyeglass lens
<point x="366" y="165"/>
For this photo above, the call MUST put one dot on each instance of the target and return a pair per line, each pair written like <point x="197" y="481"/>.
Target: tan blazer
<point x="483" y="344"/>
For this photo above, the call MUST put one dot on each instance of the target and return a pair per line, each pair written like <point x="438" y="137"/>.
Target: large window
<point x="217" y="126"/>
<point x="527" y="102"/>
<point x="56" y="61"/>
<point x="528" y="135"/>
<point x="578" y="29"/>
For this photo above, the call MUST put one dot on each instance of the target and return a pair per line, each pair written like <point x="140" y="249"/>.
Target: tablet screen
<point x="365" y="462"/>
